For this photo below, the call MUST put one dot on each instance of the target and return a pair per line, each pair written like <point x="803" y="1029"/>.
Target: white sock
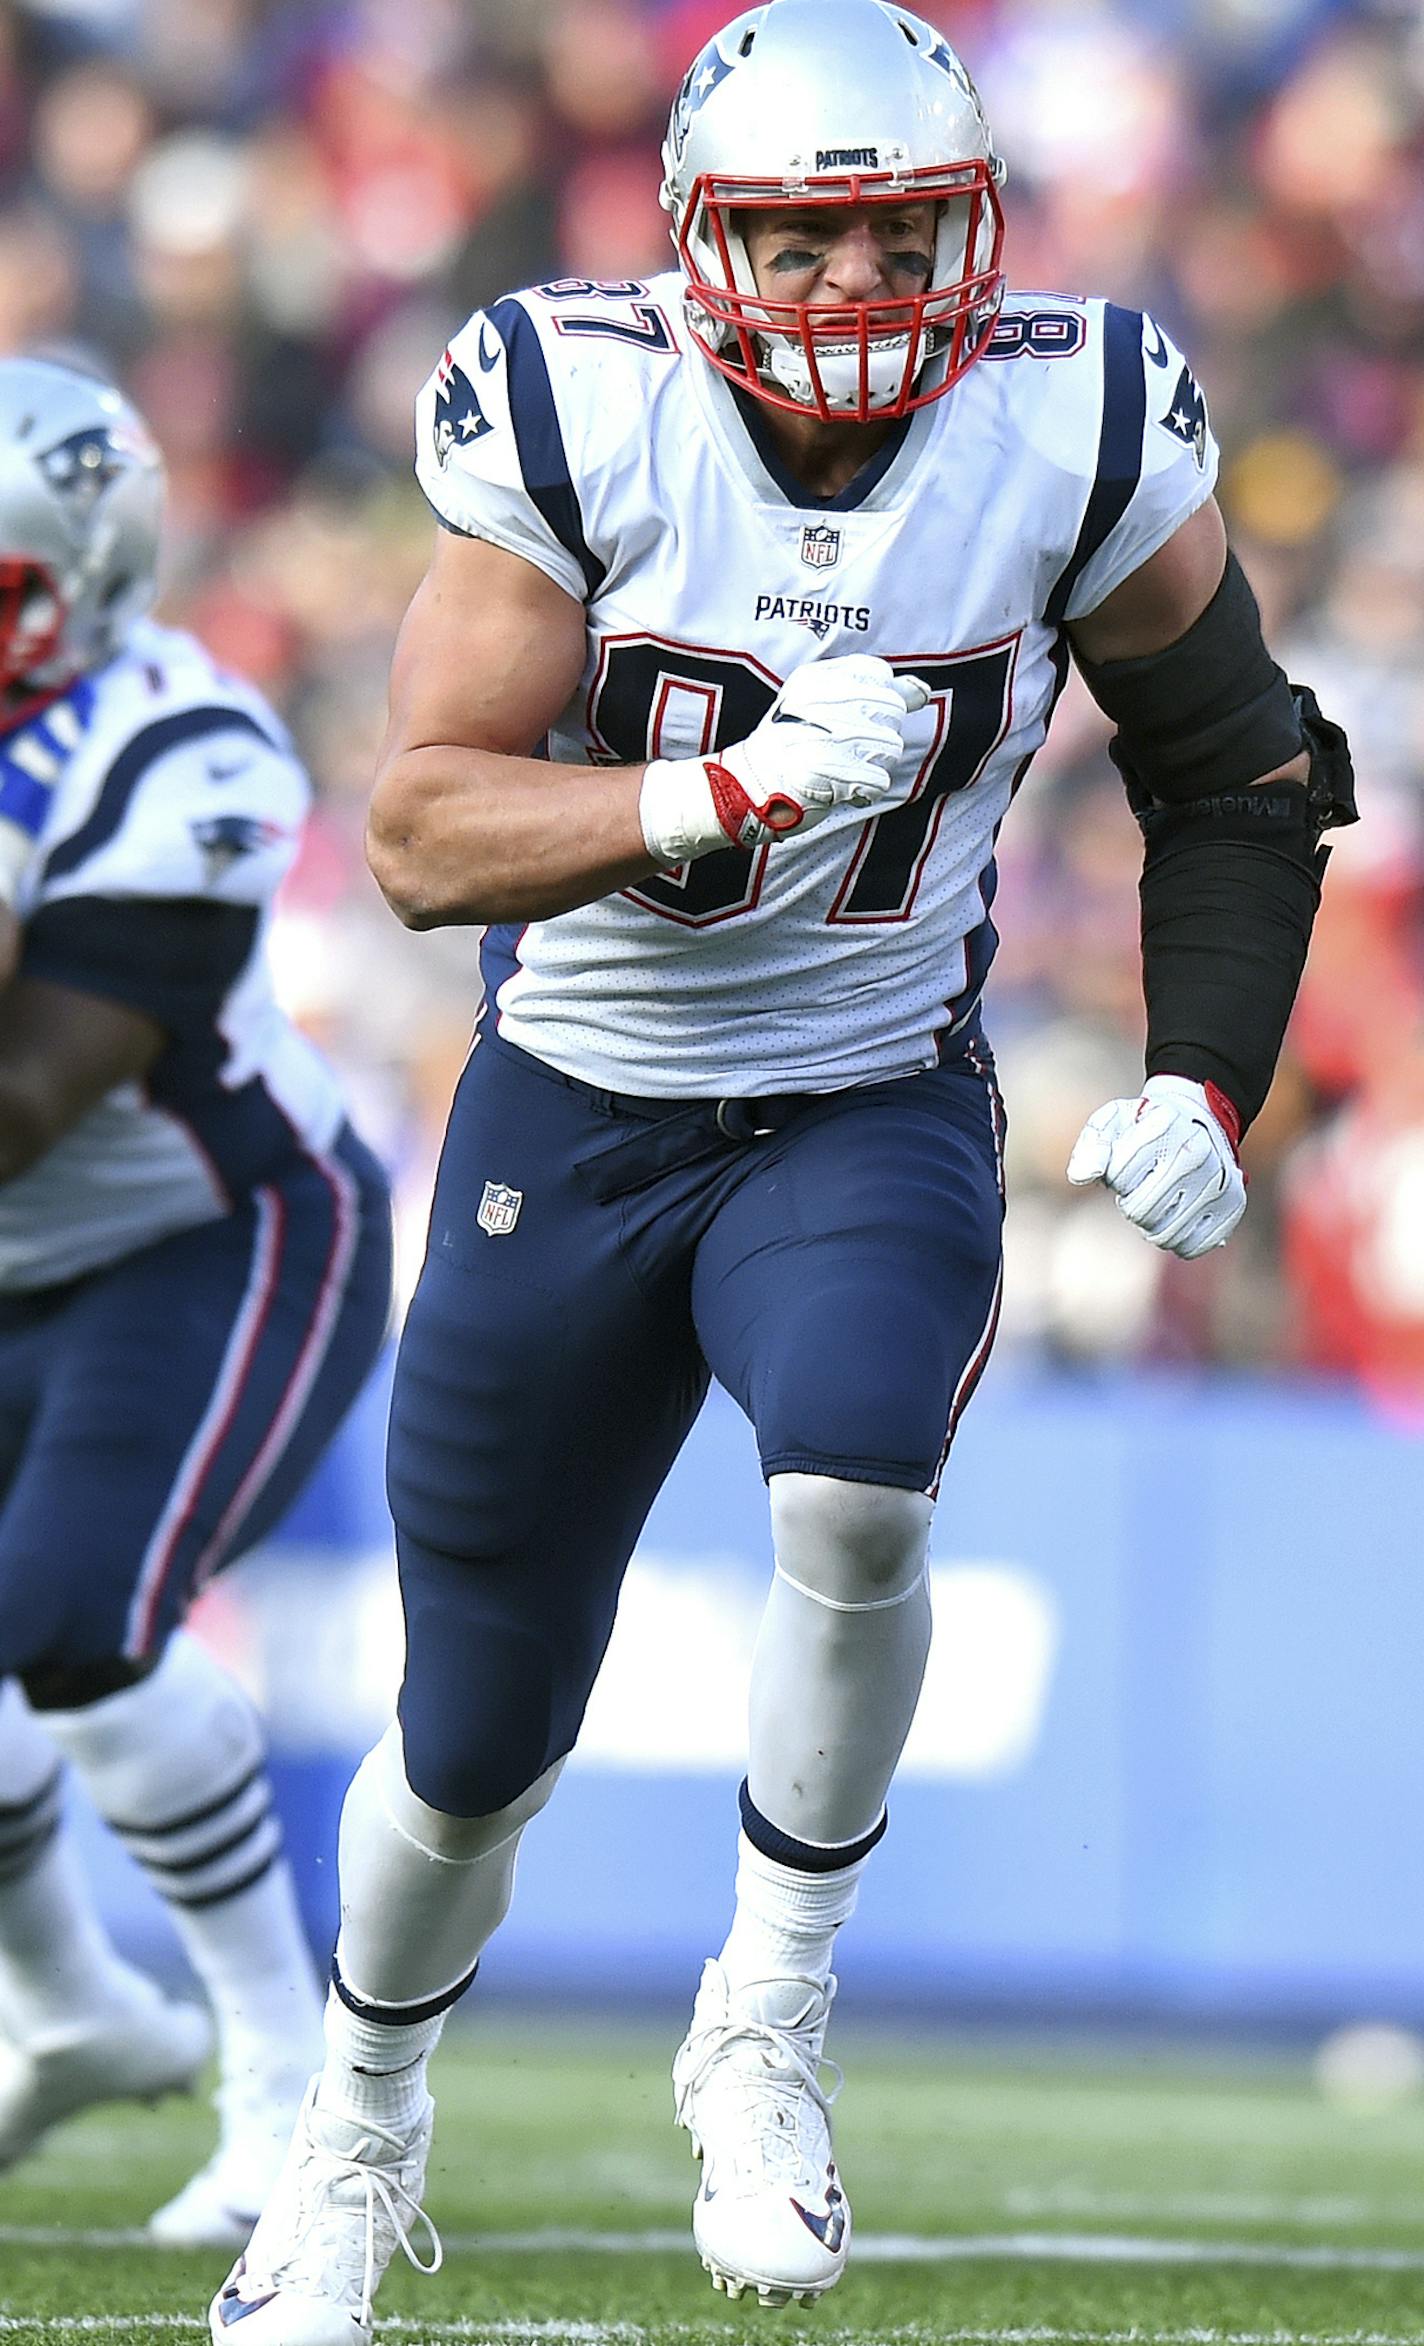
<point x="840" y="1655"/>
<point x="785" y="1921"/>
<point x="421" y="1895"/>
<point x="176" y="1766"/>
<point x="58" y="1968"/>
<point x="375" y="2070"/>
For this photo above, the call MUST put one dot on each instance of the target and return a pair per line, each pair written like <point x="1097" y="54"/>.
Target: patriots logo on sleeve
<point x="224" y="840"/>
<point x="458" y="414"/>
<point x="1186" y="417"/>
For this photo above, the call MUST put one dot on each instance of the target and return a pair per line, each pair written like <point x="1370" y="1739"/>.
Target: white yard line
<point x="911" y="2248"/>
<point x="554" y="2333"/>
<point x="1317" y="2211"/>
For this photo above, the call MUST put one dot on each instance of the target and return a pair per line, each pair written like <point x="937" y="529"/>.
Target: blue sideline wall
<point x="1169" y="1760"/>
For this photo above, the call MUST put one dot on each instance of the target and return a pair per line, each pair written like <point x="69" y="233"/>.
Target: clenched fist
<point x="1169" y="1158"/>
<point x="831" y="738"/>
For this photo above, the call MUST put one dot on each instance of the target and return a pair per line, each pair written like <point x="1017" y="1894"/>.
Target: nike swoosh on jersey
<point x="227" y="772"/>
<point x="1158" y="355"/>
<point x="487" y="365"/>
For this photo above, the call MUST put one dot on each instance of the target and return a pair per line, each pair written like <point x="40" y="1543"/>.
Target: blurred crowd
<point x="268" y="215"/>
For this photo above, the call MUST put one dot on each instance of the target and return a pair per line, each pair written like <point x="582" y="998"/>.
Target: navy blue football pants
<point x="160" y="1415"/>
<point x="838" y="1276"/>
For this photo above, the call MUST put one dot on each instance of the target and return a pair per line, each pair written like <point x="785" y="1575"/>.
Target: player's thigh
<point x="185" y="1394"/>
<point x="542" y="1391"/>
<point x="847" y="1293"/>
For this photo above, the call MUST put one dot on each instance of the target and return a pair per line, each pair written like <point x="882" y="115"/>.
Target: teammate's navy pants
<point x="590" y="1261"/>
<point x="159" y="1416"/>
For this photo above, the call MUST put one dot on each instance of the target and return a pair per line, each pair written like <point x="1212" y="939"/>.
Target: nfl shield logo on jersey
<point x="820" y="546"/>
<point x="499" y="1209"/>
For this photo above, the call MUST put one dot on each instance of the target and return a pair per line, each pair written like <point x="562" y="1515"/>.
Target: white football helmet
<point x="81" y="505"/>
<point x="834" y="102"/>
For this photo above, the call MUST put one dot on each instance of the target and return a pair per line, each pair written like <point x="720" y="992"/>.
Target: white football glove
<point x="830" y="738"/>
<point x="1170" y="1160"/>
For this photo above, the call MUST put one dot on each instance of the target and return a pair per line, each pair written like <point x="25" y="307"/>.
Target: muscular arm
<point x="465" y="825"/>
<point x="60" y="1051"/>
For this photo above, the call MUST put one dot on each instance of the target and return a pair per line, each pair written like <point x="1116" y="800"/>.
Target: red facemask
<point x="951" y="322"/>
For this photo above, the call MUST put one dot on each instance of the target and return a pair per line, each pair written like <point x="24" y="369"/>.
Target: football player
<point x="755" y="587"/>
<point x="194" y="1283"/>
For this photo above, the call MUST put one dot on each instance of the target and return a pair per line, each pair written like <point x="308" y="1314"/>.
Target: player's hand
<point x="831" y="738"/>
<point x="1169" y="1158"/>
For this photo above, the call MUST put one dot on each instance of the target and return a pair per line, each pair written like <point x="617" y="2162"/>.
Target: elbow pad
<point x="1199" y="722"/>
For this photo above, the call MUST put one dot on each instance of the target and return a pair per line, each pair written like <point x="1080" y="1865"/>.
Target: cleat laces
<point x="778" y="2066"/>
<point x="392" y="2218"/>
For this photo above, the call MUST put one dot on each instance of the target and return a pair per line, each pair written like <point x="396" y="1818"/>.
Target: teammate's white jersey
<point x="171" y="826"/>
<point x="579" y="427"/>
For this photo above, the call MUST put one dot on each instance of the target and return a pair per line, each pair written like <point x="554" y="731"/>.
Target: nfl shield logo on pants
<point x="820" y="546"/>
<point x="499" y="1209"/>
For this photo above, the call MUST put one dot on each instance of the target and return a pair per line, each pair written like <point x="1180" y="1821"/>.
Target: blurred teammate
<point x="194" y="1282"/>
<point x="780" y="561"/>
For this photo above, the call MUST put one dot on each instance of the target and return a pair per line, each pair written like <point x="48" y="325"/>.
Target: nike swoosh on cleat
<point x="829" y="2228"/>
<point x="235" y="2309"/>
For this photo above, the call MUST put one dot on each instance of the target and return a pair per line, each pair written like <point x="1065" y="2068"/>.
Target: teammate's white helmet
<point x="834" y="102"/>
<point x="81" y="505"/>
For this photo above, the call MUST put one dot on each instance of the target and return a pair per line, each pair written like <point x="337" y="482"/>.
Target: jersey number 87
<point x="720" y="697"/>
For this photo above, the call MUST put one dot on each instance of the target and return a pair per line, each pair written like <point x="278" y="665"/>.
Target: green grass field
<point x="1001" y="2197"/>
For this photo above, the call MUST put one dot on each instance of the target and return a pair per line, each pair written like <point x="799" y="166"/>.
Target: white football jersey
<point x="182" y="794"/>
<point x="579" y="427"/>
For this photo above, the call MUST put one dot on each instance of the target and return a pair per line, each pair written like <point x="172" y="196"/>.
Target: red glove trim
<point x="740" y="815"/>
<point x="1227" y="1115"/>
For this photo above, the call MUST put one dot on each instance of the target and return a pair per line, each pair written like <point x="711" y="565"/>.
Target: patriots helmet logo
<point x="458" y="414"/>
<point x="224" y="840"/>
<point x="82" y="466"/>
<point x="704" y="75"/>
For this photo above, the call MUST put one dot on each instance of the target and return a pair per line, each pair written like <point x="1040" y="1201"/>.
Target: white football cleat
<point x="143" y="2050"/>
<point x="770" y="2215"/>
<point x="220" y="2205"/>
<point x="347" y="2198"/>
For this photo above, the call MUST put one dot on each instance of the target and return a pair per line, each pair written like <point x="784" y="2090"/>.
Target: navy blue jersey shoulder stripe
<point x="128" y="770"/>
<point x="539" y="439"/>
<point x="1119" y="448"/>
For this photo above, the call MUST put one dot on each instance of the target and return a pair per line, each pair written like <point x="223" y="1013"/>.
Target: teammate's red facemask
<point x="950" y="323"/>
<point x="31" y="624"/>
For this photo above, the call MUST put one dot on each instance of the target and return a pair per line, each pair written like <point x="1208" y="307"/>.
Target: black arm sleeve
<point x="1231" y="880"/>
<point x="1225" y="926"/>
<point x="1230" y="889"/>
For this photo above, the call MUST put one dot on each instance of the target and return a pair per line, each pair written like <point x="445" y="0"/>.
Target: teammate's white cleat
<point x="222" y="2202"/>
<point x="770" y="2215"/>
<point x="146" y="2048"/>
<point x="347" y="2198"/>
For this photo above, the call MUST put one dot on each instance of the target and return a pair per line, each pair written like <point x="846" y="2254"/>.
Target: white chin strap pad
<point x="839" y="367"/>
